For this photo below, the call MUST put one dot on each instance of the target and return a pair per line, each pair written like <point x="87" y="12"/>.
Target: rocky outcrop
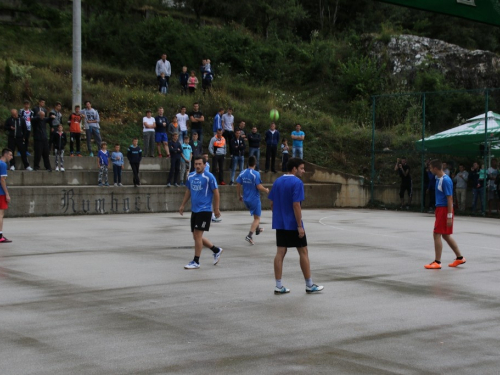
<point x="406" y="54"/>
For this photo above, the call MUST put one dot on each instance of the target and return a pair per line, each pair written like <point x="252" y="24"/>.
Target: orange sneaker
<point x="433" y="266"/>
<point x="457" y="262"/>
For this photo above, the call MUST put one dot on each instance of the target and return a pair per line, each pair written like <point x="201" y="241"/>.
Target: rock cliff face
<point x="408" y="53"/>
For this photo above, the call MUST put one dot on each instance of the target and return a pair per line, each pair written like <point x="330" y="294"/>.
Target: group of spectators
<point x="188" y="81"/>
<point x="473" y="178"/>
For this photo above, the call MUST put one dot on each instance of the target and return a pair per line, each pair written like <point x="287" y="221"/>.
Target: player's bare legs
<point x="255" y="224"/>
<point x="278" y="262"/>
<point x="199" y="242"/>
<point x="304" y="262"/>
<point x="438" y="246"/>
<point x="451" y="242"/>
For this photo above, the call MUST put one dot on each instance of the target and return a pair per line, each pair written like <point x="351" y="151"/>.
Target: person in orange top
<point x="75" y="131"/>
<point x="173" y="128"/>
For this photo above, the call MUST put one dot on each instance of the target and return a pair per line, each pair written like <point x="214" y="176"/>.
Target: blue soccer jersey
<point x="444" y="188"/>
<point x="3" y="173"/>
<point x="250" y="179"/>
<point x="285" y="191"/>
<point x="201" y="186"/>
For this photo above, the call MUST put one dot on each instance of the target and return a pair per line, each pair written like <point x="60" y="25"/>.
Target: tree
<point x="269" y="11"/>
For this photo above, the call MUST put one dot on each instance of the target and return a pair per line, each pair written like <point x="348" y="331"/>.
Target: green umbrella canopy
<point x="464" y="139"/>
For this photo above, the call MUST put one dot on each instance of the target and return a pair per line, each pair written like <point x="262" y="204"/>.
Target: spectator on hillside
<point x="162" y="84"/>
<point x="75" y="131"/>
<point x="55" y="119"/>
<point x="40" y="108"/>
<point x="161" y="133"/>
<point x="477" y="186"/>
<point x="446" y="170"/>
<point x="197" y="148"/>
<point x="241" y="127"/>
<point x="237" y="147"/>
<point x="117" y="159"/>
<point x="196" y="117"/>
<point x="183" y="80"/>
<point x="461" y="179"/>
<point x="403" y="170"/>
<point x="182" y="120"/>
<point x="431" y="188"/>
<point x="27" y="114"/>
<point x="284" y="154"/>
<point x="92" y="128"/>
<point x="17" y="131"/>
<point x="134" y="156"/>
<point x="217" y="149"/>
<point x="148" y="133"/>
<point x="228" y="125"/>
<point x="103" y="157"/>
<point x="202" y="68"/>
<point x="173" y="128"/>
<point x="272" y="139"/>
<point x="41" y="142"/>
<point x="254" y="139"/>
<point x="217" y="124"/>
<point x="492" y="188"/>
<point x="163" y="66"/>
<point x="298" y="142"/>
<point x="192" y="82"/>
<point x="59" y="141"/>
<point x="175" y="148"/>
<point x="186" y="158"/>
<point x="207" y="76"/>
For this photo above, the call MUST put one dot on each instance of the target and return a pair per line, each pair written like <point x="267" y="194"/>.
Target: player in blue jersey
<point x="203" y="190"/>
<point x="443" y="226"/>
<point x="251" y="183"/>
<point x="4" y="192"/>
<point x="286" y="196"/>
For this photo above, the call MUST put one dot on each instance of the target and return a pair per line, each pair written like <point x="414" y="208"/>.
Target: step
<point x="75" y="177"/>
<point x="70" y="200"/>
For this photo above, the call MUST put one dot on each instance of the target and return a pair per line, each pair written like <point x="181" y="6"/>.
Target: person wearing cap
<point x="148" y="133"/>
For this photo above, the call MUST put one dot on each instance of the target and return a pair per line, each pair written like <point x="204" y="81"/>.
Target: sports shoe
<point x="72" y="155"/>
<point x="28" y="154"/>
<point x="159" y="155"/>
<point x="231" y="183"/>
<point x="115" y="185"/>
<point x="217" y="256"/>
<point x="57" y="169"/>
<point x="216" y="220"/>
<point x="192" y="265"/>
<point x="12" y="168"/>
<point x="168" y="185"/>
<point x="222" y="183"/>
<point x="62" y="169"/>
<point x="100" y="185"/>
<point x="120" y="184"/>
<point x="281" y="290"/>
<point x="91" y="154"/>
<point x="314" y="288"/>
<point x="249" y="240"/>
<point x="259" y="231"/>
<point x="433" y="266"/>
<point x="176" y="185"/>
<point x="107" y="185"/>
<point x="4" y="240"/>
<point x="29" y="169"/>
<point x="457" y="262"/>
<point x="80" y="155"/>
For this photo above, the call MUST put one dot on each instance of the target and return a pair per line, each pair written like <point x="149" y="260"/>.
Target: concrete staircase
<point x="75" y="191"/>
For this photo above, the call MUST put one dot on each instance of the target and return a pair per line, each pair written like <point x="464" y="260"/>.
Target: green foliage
<point x="360" y="76"/>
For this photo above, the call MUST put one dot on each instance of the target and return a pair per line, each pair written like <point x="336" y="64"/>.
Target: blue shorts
<point x="254" y="207"/>
<point x="161" y="137"/>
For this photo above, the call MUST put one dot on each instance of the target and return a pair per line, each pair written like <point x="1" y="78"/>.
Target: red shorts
<point x="441" y="220"/>
<point x="3" y="203"/>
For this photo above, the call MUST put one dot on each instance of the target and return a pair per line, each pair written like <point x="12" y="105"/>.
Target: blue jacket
<point x="134" y="154"/>
<point x="217" y="122"/>
<point x="272" y="139"/>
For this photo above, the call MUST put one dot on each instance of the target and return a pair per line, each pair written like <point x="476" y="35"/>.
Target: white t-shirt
<point x="182" y="121"/>
<point x="150" y="121"/>
<point x="228" y="121"/>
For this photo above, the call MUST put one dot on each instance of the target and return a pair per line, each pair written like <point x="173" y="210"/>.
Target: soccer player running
<point x="443" y="226"/>
<point x="286" y="196"/>
<point x="250" y="180"/>
<point x="4" y="193"/>
<point x="202" y="189"/>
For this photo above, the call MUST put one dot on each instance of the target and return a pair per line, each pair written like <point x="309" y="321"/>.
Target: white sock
<point x="278" y="283"/>
<point x="309" y="282"/>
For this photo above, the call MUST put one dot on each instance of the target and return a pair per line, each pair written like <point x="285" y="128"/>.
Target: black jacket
<point x="254" y="140"/>
<point x="237" y="146"/>
<point x="197" y="150"/>
<point x="19" y="124"/>
<point x="39" y="128"/>
<point x="134" y="154"/>
<point x="175" y="148"/>
<point x="59" y="140"/>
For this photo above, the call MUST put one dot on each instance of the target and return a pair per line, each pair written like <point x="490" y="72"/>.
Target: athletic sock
<point x="250" y="234"/>
<point x="437" y="261"/>
<point x="215" y="249"/>
<point x="309" y="282"/>
<point x="278" y="284"/>
<point x="459" y="258"/>
<point x="197" y="259"/>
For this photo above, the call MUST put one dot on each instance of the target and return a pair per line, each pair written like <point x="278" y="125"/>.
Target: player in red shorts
<point x="4" y="193"/>
<point x="443" y="226"/>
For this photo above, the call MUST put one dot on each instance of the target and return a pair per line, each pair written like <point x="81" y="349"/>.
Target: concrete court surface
<point x="109" y="295"/>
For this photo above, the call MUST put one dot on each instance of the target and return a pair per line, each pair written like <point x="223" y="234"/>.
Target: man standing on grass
<point x="4" y="193"/>
<point x="202" y="189"/>
<point x="163" y="66"/>
<point x="286" y="196"/>
<point x="252" y="184"/>
<point x="443" y="227"/>
<point x="298" y="142"/>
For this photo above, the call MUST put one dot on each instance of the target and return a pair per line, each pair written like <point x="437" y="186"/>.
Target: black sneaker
<point x="231" y="183"/>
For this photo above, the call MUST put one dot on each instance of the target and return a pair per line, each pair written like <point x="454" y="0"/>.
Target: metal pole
<point x="422" y="198"/>
<point x="372" y="200"/>
<point x="485" y="191"/>
<point x="77" y="53"/>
